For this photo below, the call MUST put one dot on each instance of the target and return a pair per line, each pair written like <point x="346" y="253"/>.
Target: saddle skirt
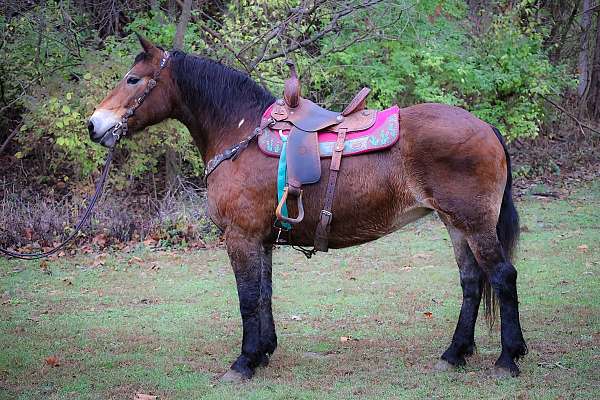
<point x="381" y="131"/>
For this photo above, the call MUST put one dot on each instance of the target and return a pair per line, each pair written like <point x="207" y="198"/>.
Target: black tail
<point x="507" y="230"/>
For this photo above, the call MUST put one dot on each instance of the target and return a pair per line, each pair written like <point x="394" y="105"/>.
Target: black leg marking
<point x="268" y="337"/>
<point x="503" y="278"/>
<point x="504" y="282"/>
<point x="251" y="263"/>
<point x="471" y="281"/>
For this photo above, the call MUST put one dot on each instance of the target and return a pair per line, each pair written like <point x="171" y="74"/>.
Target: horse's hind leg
<point x="472" y="282"/>
<point x="503" y="278"/>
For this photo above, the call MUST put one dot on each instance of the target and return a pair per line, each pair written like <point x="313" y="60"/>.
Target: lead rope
<point x="82" y="221"/>
<point x="119" y="130"/>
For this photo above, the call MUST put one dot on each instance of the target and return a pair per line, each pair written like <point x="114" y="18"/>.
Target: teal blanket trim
<point x="282" y="180"/>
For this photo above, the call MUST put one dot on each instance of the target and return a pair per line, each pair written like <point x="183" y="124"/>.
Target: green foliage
<point x="497" y="76"/>
<point x="57" y="70"/>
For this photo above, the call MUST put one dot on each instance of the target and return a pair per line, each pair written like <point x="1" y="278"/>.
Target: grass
<point x="167" y="322"/>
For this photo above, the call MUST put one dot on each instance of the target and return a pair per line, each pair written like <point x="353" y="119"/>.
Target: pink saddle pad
<point x="383" y="134"/>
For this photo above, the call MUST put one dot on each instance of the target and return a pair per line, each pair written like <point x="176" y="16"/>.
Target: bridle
<point x="122" y="128"/>
<point x="119" y="130"/>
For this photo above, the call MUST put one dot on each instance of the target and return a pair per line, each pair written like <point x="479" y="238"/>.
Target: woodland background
<point x="530" y="67"/>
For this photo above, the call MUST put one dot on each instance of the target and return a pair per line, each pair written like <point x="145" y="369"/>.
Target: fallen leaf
<point x="53" y="361"/>
<point x="142" y="396"/>
<point x="100" y="240"/>
<point x="428" y="314"/>
<point x="136" y="260"/>
<point x="44" y="267"/>
<point x="99" y="260"/>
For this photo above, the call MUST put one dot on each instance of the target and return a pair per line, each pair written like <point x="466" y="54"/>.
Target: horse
<point x="447" y="161"/>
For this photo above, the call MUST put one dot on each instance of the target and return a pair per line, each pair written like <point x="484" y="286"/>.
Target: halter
<point x="122" y="128"/>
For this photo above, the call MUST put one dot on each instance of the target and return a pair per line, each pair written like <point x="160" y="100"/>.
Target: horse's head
<point x="142" y="98"/>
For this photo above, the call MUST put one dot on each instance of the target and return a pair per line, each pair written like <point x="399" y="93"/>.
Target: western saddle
<point x="304" y="120"/>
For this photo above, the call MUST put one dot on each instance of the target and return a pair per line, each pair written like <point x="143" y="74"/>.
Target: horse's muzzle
<point x="100" y="127"/>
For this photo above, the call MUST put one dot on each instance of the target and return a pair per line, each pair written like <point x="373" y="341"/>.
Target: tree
<point x="593" y="93"/>
<point x="584" y="56"/>
<point x="172" y="162"/>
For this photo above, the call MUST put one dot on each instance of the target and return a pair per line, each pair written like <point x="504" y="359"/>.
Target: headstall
<point x="122" y="128"/>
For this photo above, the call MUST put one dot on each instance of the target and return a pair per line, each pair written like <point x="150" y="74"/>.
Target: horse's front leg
<point x="251" y="262"/>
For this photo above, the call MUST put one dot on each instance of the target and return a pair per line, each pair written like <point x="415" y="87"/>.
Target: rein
<point x="82" y="221"/>
<point x="119" y="130"/>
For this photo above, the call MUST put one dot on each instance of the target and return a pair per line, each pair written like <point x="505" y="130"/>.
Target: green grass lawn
<point x="167" y="323"/>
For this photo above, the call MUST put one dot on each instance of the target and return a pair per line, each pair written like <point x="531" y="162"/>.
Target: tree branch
<point x="329" y="28"/>
<point x="9" y="138"/>
<point x="574" y="118"/>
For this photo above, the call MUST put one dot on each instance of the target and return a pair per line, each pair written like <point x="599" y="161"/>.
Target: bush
<point x="435" y="58"/>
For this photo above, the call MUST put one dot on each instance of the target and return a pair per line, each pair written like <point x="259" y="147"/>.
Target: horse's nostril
<point x="91" y="127"/>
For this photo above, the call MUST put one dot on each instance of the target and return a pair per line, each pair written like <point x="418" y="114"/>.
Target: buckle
<point x="326" y="215"/>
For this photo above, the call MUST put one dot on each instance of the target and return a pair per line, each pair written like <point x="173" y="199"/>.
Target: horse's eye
<point x="132" y="80"/>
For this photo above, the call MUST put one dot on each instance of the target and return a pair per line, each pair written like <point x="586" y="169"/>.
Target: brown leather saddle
<point x="304" y="120"/>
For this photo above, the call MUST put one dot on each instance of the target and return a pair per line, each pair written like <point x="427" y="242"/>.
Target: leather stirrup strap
<point x="322" y="233"/>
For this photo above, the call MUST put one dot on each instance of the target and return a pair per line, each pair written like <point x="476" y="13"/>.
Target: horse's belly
<point x="371" y="200"/>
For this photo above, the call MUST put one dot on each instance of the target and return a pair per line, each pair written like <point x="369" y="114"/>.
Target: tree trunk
<point x="184" y="19"/>
<point x="584" y="56"/>
<point x="593" y="96"/>
<point x="173" y="164"/>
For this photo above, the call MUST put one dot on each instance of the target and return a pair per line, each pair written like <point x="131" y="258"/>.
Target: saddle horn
<point x="291" y="91"/>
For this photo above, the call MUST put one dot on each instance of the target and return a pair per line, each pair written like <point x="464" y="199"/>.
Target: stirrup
<point x="290" y="220"/>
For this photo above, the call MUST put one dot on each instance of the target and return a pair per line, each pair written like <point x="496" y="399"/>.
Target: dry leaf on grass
<point x="53" y="361"/>
<point x="99" y="260"/>
<point x="142" y="396"/>
<point x="136" y="260"/>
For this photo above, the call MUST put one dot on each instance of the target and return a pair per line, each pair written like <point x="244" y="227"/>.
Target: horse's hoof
<point x="501" y="373"/>
<point x="443" y="365"/>
<point x="232" y="376"/>
<point x="264" y="361"/>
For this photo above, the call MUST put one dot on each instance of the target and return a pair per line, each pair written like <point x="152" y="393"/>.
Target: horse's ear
<point x="147" y="45"/>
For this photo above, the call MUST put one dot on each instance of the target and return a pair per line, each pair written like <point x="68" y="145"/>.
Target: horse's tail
<point x="507" y="230"/>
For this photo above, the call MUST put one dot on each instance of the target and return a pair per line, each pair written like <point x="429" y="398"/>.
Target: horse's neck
<point x="211" y="139"/>
<point x="213" y="136"/>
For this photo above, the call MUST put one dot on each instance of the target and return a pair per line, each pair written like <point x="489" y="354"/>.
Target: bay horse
<point x="446" y="161"/>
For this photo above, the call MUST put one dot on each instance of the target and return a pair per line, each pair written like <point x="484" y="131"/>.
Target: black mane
<point x="216" y="89"/>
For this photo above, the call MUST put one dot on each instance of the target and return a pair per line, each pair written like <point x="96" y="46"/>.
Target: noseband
<point x="122" y="128"/>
